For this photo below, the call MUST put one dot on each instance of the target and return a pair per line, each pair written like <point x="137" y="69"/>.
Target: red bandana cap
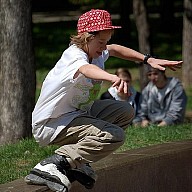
<point x="95" y="20"/>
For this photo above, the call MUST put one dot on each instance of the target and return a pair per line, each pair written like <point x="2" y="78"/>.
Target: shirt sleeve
<point x="71" y="61"/>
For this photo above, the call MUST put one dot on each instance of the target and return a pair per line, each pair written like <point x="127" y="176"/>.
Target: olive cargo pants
<point x="95" y="135"/>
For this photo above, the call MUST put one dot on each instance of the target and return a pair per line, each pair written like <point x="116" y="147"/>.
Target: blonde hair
<point x="81" y="39"/>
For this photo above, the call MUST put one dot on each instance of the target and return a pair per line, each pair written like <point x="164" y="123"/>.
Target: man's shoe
<point x="85" y="175"/>
<point x="51" y="172"/>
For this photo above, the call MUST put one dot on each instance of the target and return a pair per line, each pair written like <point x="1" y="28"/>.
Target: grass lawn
<point x="18" y="159"/>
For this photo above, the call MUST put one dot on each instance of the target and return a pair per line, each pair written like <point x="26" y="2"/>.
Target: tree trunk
<point x="17" y="70"/>
<point x="187" y="44"/>
<point x="141" y="18"/>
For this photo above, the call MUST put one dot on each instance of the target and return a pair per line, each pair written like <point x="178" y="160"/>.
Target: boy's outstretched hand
<point x="161" y="64"/>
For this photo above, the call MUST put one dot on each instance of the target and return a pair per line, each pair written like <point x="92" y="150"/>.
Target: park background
<point x="53" y="23"/>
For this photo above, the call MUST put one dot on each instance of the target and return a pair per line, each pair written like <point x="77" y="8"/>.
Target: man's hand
<point x="162" y="123"/>
<point x="144" y="123"/>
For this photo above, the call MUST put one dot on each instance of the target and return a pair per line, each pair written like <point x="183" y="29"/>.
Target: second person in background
<point x="163" y="100"/>
<point x="112" y="92"/>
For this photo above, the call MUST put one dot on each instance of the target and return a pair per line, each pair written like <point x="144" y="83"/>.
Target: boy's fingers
<point x="125" y="88"/>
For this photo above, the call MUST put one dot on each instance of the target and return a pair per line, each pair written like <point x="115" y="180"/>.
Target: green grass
<point x="19" y="158"/>
<point x="153" y="135"/>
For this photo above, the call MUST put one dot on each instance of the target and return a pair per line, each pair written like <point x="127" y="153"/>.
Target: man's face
<point x="155" y="76"/>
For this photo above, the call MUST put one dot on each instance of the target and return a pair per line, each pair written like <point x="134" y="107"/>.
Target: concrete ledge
<point x="160" y="168"/>
<point x="19" y="185"/>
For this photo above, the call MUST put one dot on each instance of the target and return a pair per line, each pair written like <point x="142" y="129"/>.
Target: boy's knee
<point x="127" y="112"/>
<point x="127" y="109"/>
<point x="120" y="136"/>
<point x="114" y="134"/>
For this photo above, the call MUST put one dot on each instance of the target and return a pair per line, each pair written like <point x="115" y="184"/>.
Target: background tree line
<point x="17" y="65"/>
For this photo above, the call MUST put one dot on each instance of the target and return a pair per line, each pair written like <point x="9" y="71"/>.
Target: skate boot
<point x="85" y="175"/>
<point x="51" y="172"/>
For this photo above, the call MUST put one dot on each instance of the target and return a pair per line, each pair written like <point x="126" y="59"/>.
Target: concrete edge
<point x="165" y="167"/>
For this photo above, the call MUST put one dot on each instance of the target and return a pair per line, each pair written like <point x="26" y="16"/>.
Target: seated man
<point x="112" y="93"/>
<point x="163" y="100"/>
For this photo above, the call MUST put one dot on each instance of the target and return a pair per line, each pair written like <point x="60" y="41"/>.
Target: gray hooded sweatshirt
<point x="167" y="104"/>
